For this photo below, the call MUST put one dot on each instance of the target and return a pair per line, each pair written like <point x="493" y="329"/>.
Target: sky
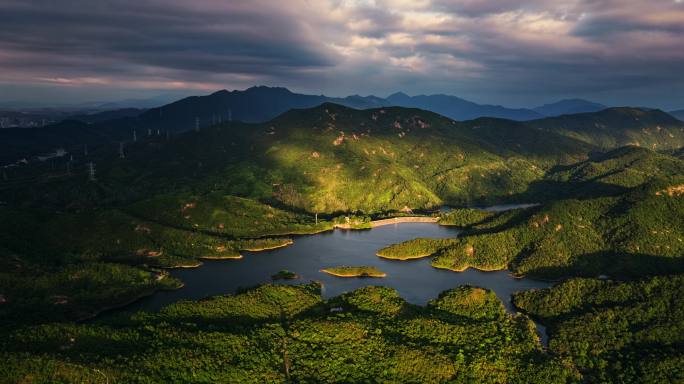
<point x="518" y="53"/>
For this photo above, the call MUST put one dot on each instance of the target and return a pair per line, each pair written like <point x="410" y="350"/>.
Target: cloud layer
<point x="507" y="51"/>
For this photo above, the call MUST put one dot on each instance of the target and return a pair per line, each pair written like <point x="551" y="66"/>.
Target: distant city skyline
<point x="518" y="53"/>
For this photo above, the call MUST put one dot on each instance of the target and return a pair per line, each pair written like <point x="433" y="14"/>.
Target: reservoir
<point x="415" y="280"/>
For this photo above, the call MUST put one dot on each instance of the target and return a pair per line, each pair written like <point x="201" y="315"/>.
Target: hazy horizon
<point x="169" y="97"/>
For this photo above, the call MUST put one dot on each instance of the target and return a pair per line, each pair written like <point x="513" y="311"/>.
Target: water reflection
<point x="415" y="280"/>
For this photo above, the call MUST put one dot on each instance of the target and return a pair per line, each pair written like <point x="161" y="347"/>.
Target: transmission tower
<point x="91" y="171"/>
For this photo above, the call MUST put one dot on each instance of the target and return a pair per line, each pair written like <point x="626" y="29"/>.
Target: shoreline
<point x="481" y="269"/>
<point x="268" y="248"/>
<point x="113" y="307"/>
<point x="404" y="219"/>
<point x="185" y="266"/>
<point x="393" y="220"/>
<point x="337" y="274"/>
<point x="404" y="258"/>
<point x="228" y="257"/>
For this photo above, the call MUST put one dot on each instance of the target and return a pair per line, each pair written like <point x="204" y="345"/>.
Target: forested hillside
<point x="288" y="334"/>
<point x="84" y="232"/>
<point x="623" y="219"/>
<point x="626" y="332"/>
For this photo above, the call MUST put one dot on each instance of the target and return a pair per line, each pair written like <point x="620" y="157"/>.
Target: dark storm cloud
<point x="75" y="38"/>
<point x="507" y="51"/>
<point x="565" y="49"/>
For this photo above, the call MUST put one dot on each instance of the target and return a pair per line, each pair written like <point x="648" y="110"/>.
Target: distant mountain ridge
<point x="103" y="116"/>
<point x="679" y="114"/>
<point x="260" y="103"/>
<point x="460" y="109"/>
<point x="568" y="107"/>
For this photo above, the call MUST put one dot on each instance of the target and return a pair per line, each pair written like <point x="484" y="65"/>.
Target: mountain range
<point x="493" y="152"/>
<point x="459" y="109"/>
<point x="259" y="104"/>
<point x="678" y="114"/>
<point x="568" y="107"/>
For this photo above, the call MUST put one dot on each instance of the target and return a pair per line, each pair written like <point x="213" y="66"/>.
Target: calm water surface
<point x="415" y="280"/>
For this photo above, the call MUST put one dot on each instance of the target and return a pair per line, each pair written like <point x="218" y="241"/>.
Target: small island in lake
<point x="360" y="271"/>
<point x="414" y="249"/>
<point x="285" y="275"/>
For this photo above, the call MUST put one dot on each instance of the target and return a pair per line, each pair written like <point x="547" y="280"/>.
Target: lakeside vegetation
<point x="352" y="222"/>
<point x="33" y="295"/>
<point x="613" y="331"/>
<point x="280" y="333"/>
<point x="53" y="269"/>
<point x="354" y="271"/>
<point x="285" y="275"/>
<point x="224" y="215"/>
<point x="464" y="217"/>
<point x="630" y="227"/>
<point x="414" y="249"/>
<point x="637" y="233"/>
